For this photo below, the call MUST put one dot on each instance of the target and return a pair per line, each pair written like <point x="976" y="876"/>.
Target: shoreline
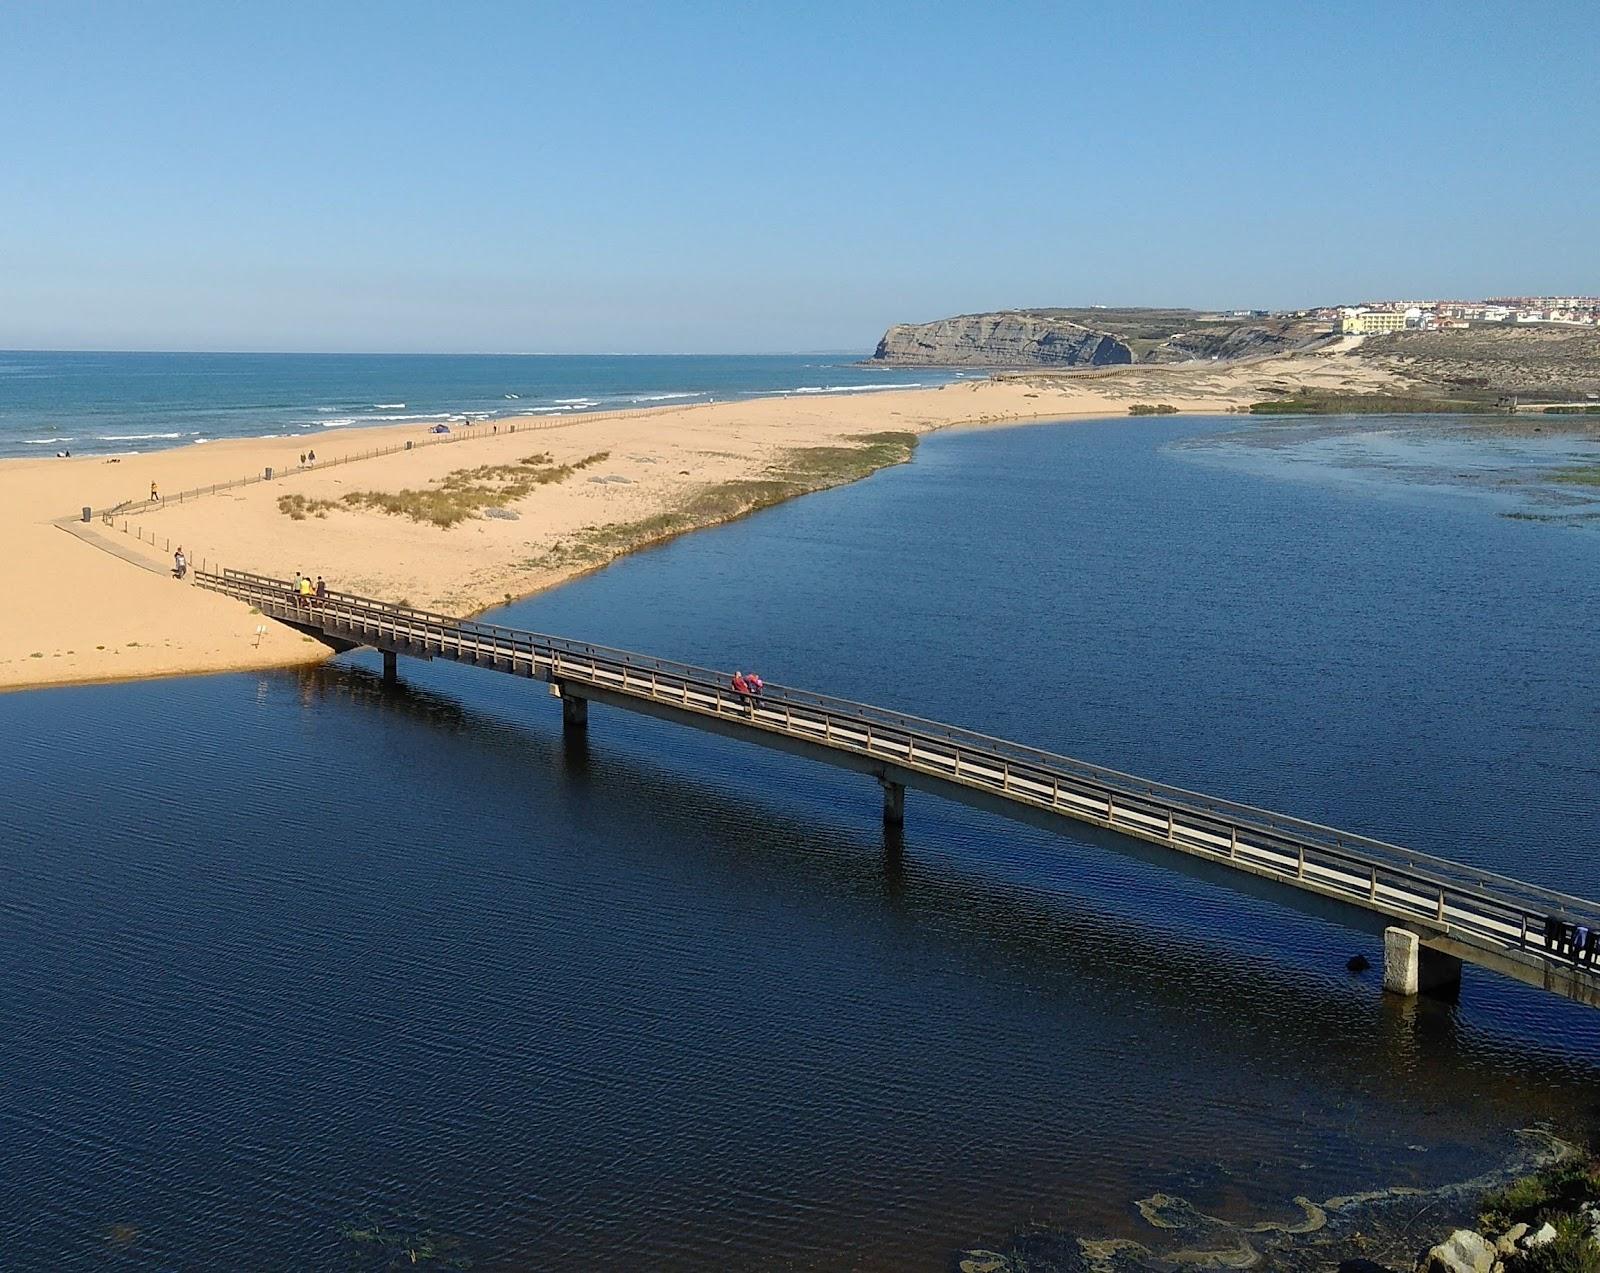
<point x="87" y="616"/>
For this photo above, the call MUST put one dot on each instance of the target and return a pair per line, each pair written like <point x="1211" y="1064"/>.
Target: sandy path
<point x="76" y="612"/>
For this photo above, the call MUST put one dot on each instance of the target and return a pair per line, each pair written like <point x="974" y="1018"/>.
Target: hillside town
<point x="1373" y="317"/>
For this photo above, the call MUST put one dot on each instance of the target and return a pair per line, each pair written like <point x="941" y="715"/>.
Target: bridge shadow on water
<point x="1288" y="1007"/>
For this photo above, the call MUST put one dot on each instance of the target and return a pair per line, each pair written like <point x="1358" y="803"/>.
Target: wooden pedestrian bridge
<point x="1435" y="913"/>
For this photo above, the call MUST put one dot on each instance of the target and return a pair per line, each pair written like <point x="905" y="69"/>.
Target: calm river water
<point x="286" y="959"/>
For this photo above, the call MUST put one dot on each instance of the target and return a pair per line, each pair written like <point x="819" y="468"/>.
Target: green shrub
<point x="1155" y="408"/>
<point x="1559" y="1188"/>
<point x="1573" y="1250"/>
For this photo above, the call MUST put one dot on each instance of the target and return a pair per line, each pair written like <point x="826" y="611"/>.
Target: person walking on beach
<point x="180" y="563"/>
<point x="312" y="456"/>
<point x="155" y="497"/>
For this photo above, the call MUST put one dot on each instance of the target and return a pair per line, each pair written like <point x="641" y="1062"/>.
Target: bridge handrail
<point x="1459" y="878"/>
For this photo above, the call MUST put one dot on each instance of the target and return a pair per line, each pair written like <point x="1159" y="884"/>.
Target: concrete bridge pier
<point x="894" y="803"/>
<point x="574" y="712"/>
<point x="1411" y="968"/>
<point x="391" y="667"/>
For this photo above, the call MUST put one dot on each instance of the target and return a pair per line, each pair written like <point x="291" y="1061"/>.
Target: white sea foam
<point x="45" y="441"/>
<point x="852" y="388"/>
<point x="340" y="422"/>
<point x="133" y="437"/>
<point x="664" y="397"/>
<point x="388" y="406"/>
<point x="576" y="402"/>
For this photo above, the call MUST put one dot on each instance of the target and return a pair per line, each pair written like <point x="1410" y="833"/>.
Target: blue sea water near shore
<point x="298" y="969"/>
<point x="112" y="402"/>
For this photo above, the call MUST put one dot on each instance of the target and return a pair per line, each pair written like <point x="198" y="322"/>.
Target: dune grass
<point x="798" y="472"/>
<point x="1369" y="404"/>
<point x="454" y="498"/>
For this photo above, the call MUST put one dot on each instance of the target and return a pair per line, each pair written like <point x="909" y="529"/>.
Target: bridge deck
<point x="1482" y="917"/>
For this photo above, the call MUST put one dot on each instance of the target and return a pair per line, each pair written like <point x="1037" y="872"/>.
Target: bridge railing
<point x="1506" y="910"/>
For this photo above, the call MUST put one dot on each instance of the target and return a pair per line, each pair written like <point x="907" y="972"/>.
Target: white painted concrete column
<point x="1409" y="967"/>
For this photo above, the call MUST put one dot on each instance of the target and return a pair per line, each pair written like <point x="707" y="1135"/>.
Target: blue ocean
<point x="117" y="402"/>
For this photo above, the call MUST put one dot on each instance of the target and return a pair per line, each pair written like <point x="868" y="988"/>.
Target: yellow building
<point x="1368" y="322"/>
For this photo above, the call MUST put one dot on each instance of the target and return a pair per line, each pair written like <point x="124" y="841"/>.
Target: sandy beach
<point x="91" y="603"/>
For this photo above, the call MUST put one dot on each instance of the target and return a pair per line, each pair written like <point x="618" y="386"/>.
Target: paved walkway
<point x="125" y="552"/>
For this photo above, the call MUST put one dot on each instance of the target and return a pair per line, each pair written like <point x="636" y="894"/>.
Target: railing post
<point x="1233" y="841"/>
<point x="1111" y="807"/>
<point x="1170" y="834"/>
<point x="1372" y="894"/>
<point x="1300" y="871"/>
<point x="1524" y="918"/>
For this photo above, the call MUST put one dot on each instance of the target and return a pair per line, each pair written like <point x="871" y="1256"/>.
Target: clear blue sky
<point x="699" y="177"/>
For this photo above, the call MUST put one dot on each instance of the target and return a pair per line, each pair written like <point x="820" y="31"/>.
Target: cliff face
<point x="1220" y="341"/>
<point x="1000" y="340"/>
<point x="1094" y="337"/>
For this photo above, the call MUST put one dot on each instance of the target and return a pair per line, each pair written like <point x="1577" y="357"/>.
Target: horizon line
<point x="468" y="353"/>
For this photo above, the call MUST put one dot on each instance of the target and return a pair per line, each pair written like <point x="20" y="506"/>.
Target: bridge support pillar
<point x="1410" y="968"/>
<point x="574" y="712"/>
<point x="894" y="803"/>
<point x="391" y="667"/>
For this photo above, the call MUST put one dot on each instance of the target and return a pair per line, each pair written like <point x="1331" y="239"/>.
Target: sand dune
<point x="105" y="607"/>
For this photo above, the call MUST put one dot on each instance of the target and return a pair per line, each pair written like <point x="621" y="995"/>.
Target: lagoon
<point x="290" y="959"/>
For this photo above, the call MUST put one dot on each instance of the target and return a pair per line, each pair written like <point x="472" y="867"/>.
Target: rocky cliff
<point x="1091" y="338"/>
<point x="1000" y="340"/>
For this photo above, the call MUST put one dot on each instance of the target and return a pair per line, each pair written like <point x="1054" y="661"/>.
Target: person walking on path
<point x="155" y="496"/>
<point x="755" y="685"/>
<point x="321" y="590"/>
<point x="180" y="563"/>
<point x="305" y="591"/>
